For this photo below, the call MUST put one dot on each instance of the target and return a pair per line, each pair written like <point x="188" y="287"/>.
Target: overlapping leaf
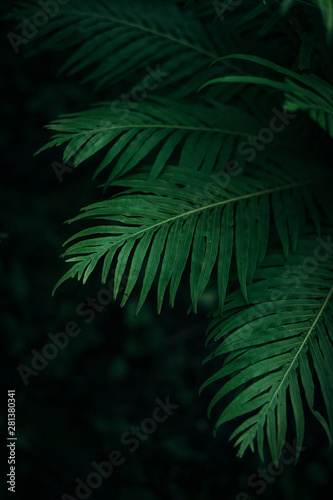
<point x="302" y="92"/>
<point x="202" y="136"/>
<point x="186" y="215"/>
<point x="275" y="347"/>
<point x="111" y="39"/>
<point x="324" y="6"/>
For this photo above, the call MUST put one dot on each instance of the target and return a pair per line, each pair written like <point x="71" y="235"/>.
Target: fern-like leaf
<point x="186" y="214"/>
<point x="205" y="133"/>
<point x="109" y="40"/>
<point x="302" y="92"/>
<point x="277" y="345"/>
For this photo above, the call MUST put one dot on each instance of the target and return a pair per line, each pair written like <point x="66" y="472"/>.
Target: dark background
<point x="107" y="379"/>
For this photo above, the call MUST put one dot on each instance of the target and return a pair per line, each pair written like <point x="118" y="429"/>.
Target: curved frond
<point x="281" y="7"/>
<point x="202" y="136"/>
<point x="111" y="39"/>
<point x="302" y="92"/>
<point x="278" y="347"/>
<point x="186" y="215"/>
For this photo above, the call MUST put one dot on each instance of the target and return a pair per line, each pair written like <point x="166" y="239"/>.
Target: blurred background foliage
<point x="107" y="379"/>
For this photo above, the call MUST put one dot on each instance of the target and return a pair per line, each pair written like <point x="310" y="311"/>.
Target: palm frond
<point x="188" y="215"/>
<point x="324" y="6"/>
<point x="109" y="40"/>
<point x="277" y="346"/>
<point x="302" y="92"/>
<point x="197" y="135"/>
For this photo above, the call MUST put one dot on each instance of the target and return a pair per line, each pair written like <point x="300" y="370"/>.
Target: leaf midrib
<point x="306" y="338"/>
<point x="207" y="207"/>
<point x="142" y="126"/>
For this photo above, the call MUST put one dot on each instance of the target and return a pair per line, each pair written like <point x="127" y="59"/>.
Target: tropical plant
<point x="216" y="174"/>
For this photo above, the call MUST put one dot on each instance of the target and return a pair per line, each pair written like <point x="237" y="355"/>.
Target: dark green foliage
<point x="198" y="204"/>
<point x="277" y="344"/>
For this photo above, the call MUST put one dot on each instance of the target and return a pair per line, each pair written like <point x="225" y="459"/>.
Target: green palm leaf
<point x="302" y="92"/>
<point x="205" y="133"/>
<point x="325" y="7"/>
<point x="184" y="215"/>
<point x="276" y="344"/>
<point x="109" y="40"/>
